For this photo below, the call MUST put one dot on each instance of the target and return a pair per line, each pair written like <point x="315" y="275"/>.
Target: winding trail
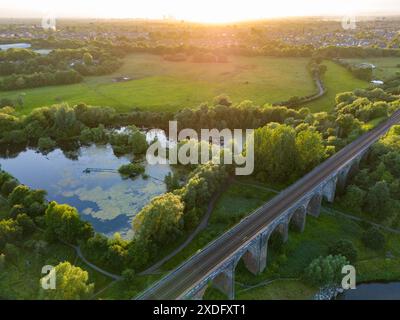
<point x="203" y="225"/>
<point x="321" y="92"/>
<point x="87" y="262"/>
<point x="93" y="266"/>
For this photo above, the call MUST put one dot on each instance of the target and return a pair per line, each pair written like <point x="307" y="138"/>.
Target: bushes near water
<point x="131" y="170"/>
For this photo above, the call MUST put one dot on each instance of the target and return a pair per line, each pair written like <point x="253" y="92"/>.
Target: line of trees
<point x="24" y="68"/>
<point x="375" y="189"/>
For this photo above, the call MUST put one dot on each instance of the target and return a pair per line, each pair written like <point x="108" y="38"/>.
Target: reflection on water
<point x="7" y="46"/>
<point x="15" y="46"/>
<point x="102" y="198"/>
<point x="373" y="291"/>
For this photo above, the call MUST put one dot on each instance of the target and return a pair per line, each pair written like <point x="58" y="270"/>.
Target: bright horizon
<point x="207" y="11"/>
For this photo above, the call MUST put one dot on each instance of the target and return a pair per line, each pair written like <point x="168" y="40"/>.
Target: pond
<point x="14" y="45"/>
<point x="43" y="52"/>
<point x="104" y="199"/>
<point x="373" y="291"/>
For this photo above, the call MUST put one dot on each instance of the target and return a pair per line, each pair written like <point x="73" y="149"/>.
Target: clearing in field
<point x="159" y="85"/>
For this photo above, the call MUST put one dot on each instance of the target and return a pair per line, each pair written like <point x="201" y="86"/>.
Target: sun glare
<point x="206" y="11"/>
<point x="220" y="11"/>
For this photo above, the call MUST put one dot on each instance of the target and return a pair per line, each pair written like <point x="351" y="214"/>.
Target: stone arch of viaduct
<point x="255" y="252"/>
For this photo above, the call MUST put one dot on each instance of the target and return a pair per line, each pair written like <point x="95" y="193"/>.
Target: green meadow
<point x="385" y="67"/>
<point x="337" y="79"/>
<point x="159" y="85"/>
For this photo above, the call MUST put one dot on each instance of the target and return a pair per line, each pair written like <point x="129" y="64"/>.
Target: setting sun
<point x="207" y="11"/>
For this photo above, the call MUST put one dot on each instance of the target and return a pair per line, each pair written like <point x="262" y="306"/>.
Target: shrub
<point x="131" y="170"/>
<point x="345" y="248"/>
<point x="373" y="239"/>
<point x="8" y="187"/>
<point x="138" y="142"/>
<point x="72" y="283"/>
<point x="129" y="276"/>
<point x="63" y="222"/>
<point x="172" y="182"/>
<point x="326" y="270"/>
<point x="46" y="144"/>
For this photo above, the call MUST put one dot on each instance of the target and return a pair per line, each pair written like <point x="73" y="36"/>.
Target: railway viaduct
<point x="249" y="239"/>
<point x="255" y="252"/>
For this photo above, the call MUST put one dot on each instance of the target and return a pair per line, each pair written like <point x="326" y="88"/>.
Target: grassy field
<point x="160" y="85"/>
<point x="337" y="79"/>
<point x="385" y="67"/>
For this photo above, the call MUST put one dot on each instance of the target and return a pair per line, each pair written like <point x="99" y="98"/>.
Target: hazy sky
<point x="194" y="10"/>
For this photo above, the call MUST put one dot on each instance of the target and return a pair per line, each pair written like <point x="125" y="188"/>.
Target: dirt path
<point x="203" y="225"/>
<point x="93" y="266"/>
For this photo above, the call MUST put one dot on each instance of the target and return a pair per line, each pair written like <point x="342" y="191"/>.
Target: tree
<point x="222" y="100"/>
<point x="10" y="231"/>
<point x="378" y="200"/>
<point x="46" y="144"/>
<point x="354" y="198"/>
<point x="129" y="276"/>
<point x="138" y="142"/>
<point x="32" y="201"/>
<point x="346" y="124"/>
<point x="8" y="186"/>
<point x="310" y="148"/>
<point x="63" y="222"/>
<point x="12" y="253"/>
<point x="131" y="170"/>
<point x="88" y="59"/>
<point x="345" y="248"/>
<point x="71" y="284"/>
<point x="326" y="270"/>
<point x="373" y="239"/>
<point x="18" y="195"/>
<point x="26" y="223"/>
<point x="161" y="220"/>
<point x="392" y="162"/>
<point x="172" y="182"/>
<point x="275" y="152"/>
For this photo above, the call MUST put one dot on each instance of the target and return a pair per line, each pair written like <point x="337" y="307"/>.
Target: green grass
<point x="160" y="85"/>
<point x="337" y="80"/>
<point x="373" y="123"/>
<point x="279" y="290"/>
<point x="385" y="67"/>
<point x="20" y="279"/>
<point x="120" y="290"/>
